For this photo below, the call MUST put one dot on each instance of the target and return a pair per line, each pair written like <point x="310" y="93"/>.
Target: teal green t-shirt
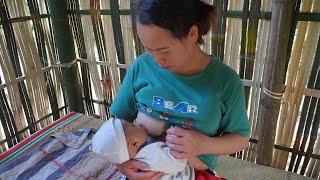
<point x="211" y="102"/>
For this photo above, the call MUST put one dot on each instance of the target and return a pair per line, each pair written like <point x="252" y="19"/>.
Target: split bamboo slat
<point x="127" y="29"/>
<point x="248" y="46"/>
<point x="232" y="49"/>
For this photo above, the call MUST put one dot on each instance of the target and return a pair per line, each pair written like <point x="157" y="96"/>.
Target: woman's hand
<point x="183" y="143"/>
<point x="187" y="143"/>
<point x="132" y="170"/>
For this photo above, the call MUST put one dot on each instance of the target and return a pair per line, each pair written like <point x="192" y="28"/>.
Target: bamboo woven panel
<point x="105" y="44"/>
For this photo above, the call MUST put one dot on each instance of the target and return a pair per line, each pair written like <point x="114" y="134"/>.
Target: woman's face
<point x="169" y="52"/>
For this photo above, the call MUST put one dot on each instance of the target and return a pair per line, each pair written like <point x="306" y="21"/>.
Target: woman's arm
<point x="190" y="143"/>
<point x="225" y="144"/>
<point x="131" y="169"/>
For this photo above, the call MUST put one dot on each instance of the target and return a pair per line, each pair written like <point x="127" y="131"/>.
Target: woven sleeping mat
<point x="237" y="169"/>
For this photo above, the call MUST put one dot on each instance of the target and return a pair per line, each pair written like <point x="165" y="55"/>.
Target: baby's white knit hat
<point x="110" y="141"/>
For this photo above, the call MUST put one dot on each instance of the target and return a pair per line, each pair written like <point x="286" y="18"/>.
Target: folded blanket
<point x="63" y="156"/>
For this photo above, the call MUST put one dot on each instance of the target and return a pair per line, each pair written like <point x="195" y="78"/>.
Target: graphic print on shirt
<point x="165" y="115"/>
<point x="181" y="107"/>
<point x="188" y="123"/>
<point x="146" y="109"/>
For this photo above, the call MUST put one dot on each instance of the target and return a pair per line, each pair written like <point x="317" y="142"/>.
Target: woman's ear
<point x="194" y="33"/>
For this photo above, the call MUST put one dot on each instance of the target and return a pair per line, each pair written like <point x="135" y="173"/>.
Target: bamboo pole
<point x="77" y="28"/>
<point x="291" y="78"/>
<point x="273" y="78"/>
<point x="66" y="52"/>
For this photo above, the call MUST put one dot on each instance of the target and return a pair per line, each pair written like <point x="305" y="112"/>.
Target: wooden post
<point x="66" y="51"/>
<point x="273" y="78"/>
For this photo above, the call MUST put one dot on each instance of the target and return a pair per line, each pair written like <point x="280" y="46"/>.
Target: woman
<point x="177" y="83"/>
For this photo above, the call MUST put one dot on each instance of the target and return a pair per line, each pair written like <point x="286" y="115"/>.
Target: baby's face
<point x="136" y="132"/>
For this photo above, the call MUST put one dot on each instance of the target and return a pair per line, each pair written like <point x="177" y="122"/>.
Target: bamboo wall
<point x="276" y="56"/>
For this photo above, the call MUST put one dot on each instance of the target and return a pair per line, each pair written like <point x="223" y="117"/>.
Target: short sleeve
<point x="234" y="118"/>
<point x="124" y="104"/>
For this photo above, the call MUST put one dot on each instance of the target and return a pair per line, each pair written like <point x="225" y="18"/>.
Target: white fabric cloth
<point x="110" y="141"/>
<point x="158" y="157"/>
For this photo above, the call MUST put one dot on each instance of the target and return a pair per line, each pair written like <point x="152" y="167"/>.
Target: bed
<point x="62" y="151"/>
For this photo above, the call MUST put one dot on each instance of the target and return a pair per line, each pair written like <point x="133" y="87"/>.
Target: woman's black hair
<point x="178" y="16"/>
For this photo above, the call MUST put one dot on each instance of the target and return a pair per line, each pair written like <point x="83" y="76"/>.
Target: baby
<point x="157" y="130"/>
<point x="119" y="140"/>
